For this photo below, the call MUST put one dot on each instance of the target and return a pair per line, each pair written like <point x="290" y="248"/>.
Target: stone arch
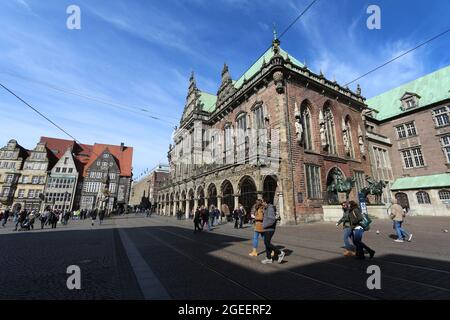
<point x="402" y="199"/>
<point x="248" y="193"/>
<point x="211" y="194"/>
<point x="227" y="192"/>
<point x="200" y="195"/>
<point x="333" y="196"/>
<point x="306" y="114"/>
<point x="270" y="186"/>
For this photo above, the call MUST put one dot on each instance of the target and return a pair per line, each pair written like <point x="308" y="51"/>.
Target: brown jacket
<point x="397" y="213"/>
<point x="259" y="215"/>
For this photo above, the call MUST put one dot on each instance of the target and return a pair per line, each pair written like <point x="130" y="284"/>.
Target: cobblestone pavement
<point x="133" y="257"/>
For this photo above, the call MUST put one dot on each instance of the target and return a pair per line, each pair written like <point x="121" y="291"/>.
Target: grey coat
<point x="270" y="218"/>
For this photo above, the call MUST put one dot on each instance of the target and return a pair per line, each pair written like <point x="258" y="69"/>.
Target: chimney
<point x="122" y="146"/>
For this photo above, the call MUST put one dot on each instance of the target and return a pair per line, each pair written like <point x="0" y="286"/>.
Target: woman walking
<point x="356" y="219"/>
<point x="259" y="230"/>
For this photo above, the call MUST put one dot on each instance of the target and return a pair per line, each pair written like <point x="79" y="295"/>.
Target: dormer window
<point x="410" y="100"/>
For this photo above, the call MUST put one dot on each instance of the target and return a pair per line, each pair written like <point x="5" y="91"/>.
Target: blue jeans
<point x="401" y="233"/>
<point x="348" y="234"/>
<point x="357" y="240"/>
<point x="256" y="235"/>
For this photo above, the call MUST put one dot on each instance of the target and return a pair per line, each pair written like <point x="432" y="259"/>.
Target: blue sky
<point x="139" y="54"/>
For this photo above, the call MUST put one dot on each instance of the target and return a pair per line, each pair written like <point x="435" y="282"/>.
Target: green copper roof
<point x="258" y="64"/>
<point x="423" y="182"/>
<point x="431" y="88"/>
<point x="208" y="100"/>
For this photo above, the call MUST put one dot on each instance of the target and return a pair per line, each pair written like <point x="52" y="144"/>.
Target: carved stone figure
<point x="362" y="146"/>
<point x="345" y="136"/>
<point x="298" y="124"/>
<point x="323" y="137"/>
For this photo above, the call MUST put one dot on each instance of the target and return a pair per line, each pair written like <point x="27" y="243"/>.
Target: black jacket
<point x="355" y="217"/>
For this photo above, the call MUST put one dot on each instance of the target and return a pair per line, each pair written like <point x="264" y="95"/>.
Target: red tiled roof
<point x="57" y="146"/>
<point x="124" y="157"/>
<point x="87" y="154"/>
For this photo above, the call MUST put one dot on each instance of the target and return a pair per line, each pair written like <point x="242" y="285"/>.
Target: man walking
<point x="398" y="216"/>
<point x="269" y="226"/>
<point x="93" y="216"/>
<point x="197" y="221"/>
<point x="101" y="216"/>
<point x="5" y="217"/>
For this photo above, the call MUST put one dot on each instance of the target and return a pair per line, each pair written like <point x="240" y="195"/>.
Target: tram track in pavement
<point x="430" y="286"/>
<point x="293" y="273"/>
<point x="338" y="253"/>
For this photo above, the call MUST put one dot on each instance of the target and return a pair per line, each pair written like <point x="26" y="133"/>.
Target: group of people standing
<point x="203" y="216"/>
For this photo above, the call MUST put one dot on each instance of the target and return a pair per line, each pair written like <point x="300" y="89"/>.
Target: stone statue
<point x="345" y="136"/>
<point x="374" y="188"/>
<point x="298" y="124"/>
<point x="323" y="138"/>
<point x="362" y="146"/>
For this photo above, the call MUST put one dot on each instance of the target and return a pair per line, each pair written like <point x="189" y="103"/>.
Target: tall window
<point x="259" y="117"/>
<point x="9" y="178"/>
<point x="30" y="193"/>
<point x="21" y="193"/>
<point x="445" y="141"/>
<point x="423" y="197"/>
<point x="348" y="136"/>
<point x="441" y="117"/>
<point x="306" y="123"/>
<point x="312" y="173"/>
<point x="406" y="130"/>
<point x="359" y="179"/>
<point x="241" y="134"/>
<point x="213" y="148"/>
<point x="413" y="158"/>
<point x="228" y="144"/>
<point x="329" y="129"/>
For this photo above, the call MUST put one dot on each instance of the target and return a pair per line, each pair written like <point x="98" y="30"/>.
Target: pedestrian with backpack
<point x="269" y="225"/>
<point x="359" y="224"/>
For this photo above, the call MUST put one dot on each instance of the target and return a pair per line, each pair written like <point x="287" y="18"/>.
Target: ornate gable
<point x="226" y="88"/>
<point x="192" y="98"/>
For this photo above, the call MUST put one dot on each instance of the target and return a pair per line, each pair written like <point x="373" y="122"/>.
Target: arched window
<point x="347" y="137"/>
<point x="228" y="144"/>
<point x="306" y="123"/>
<point x="423" y="197"/>
<point x="444" y="194"/>
<point x="329" y="130"/>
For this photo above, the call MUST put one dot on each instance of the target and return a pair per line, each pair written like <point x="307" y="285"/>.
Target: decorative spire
<point x="358" y="89"/>
<point x="275" y="42"/>
<point x="192" y="80"/>
<point x="321" y="73"/>
<point x="225" y="73"/>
